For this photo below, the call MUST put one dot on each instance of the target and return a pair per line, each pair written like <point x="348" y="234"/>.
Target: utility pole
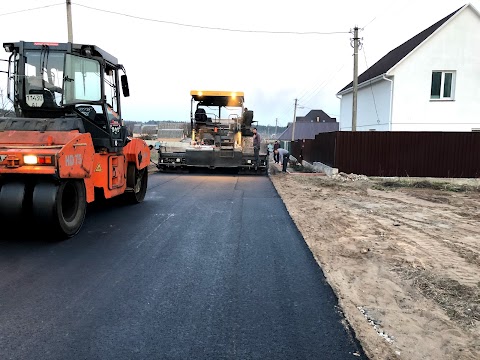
<point x="276" y="125"/>
<point x="356" y="42"/>
<point x="294" y="118"/>
<point x="69" y="20"/>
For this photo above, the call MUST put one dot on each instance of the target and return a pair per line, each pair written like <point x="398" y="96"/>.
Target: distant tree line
<point x="270" y="129"/>
<point x="265" y="130"/>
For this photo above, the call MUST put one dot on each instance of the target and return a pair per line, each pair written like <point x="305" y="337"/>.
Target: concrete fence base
<point x="320" y="167"/>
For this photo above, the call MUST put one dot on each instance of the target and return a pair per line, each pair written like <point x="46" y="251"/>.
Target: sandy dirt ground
<point x="403" y="257"/>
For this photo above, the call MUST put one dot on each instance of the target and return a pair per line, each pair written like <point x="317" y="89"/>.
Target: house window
<point x="443" y="85"/>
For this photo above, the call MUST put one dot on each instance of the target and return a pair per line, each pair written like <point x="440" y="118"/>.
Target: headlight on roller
<point x="30" y="159"/>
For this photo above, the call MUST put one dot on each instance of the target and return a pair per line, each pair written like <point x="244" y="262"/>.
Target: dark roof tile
<point x="308" y="130"/>
<point x="312" y="116"/>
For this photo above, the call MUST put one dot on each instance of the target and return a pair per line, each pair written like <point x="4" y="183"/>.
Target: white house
<point x="429" y="83"/>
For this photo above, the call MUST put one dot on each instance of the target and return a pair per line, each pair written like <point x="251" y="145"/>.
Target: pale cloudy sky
<point x="283" y="51"/>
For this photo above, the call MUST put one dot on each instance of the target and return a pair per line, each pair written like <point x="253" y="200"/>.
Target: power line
<point x="285" y="110"/>
<point x="312" y="91"/>
<point x="326" y="112"/>
<point x="307" y="91"/>
<point x="363" y="27"/>
<point x="215" y="28"/>
<point x="31" y="9"/>
<point x="371" y="87"/>
<point x="376" y="16"/>
<point x="323" y="84"/>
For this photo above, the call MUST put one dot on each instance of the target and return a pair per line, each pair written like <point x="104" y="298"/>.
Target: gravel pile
<point x="348" y="177"/>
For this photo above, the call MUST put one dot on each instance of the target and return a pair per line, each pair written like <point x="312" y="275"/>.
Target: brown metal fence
<point x="321" y="149"/>
<point x="415" y="154"/>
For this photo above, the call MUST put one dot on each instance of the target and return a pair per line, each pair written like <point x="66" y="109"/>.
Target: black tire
<point x="137" y="181"/>
<point x="60" y="207"/>
<point x="12" y="195"/>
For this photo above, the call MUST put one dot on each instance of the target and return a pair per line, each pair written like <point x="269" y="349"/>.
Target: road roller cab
<point x="67" y="145"/>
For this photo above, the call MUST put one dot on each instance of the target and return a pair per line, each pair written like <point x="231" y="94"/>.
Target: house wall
<point x="456" y="47"/>
<point x="373" y="108"/>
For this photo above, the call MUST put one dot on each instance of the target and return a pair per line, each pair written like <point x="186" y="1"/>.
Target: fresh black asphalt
<point x="209" y="266"/>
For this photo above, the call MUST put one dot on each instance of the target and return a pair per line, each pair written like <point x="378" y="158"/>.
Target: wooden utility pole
<point x="294" y="119"/>
<point x="69" y="21"/>
<point x="355" y="77"/>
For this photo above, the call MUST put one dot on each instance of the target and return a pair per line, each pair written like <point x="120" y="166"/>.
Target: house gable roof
<point x="391" y="59"/>
<point x="313" y="115"/>
<point x="308" y="130"/>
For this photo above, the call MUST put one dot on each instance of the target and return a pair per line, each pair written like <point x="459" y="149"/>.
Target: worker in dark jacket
<point x="276" y="145"/>
<point x="256" y="145"/>
<point x="284" y="156"/>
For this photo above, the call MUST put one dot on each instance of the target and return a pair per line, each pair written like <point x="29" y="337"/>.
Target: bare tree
<point x="6" y="106"/>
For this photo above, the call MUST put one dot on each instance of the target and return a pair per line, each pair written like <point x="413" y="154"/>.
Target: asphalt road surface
<point x="209" y="266"/>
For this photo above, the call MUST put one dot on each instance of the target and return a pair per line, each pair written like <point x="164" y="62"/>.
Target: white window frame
<point x="442" y="85"/>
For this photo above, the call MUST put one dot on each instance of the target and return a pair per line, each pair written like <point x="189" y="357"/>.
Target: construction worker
<point x="283" y="156"/>
<point x="276" y="145"/>
<point x="112" y="114"/>
<point x="256" y="145"/>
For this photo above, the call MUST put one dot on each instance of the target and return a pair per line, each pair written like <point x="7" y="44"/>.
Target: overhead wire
<point x="378" y="15"/>
<point x="287" y="110"/>
<point x="328" y="113"/>
<point x="308" y="90"/>
<point x="312" y="92"/>
<point x="32" y="9"/>
<point x="307" y="96"/>
<point x="323" y="84"/>
<point x="371" y="87"/>
<point x="184" y="24"/>
<point x="218" y="28"/>
<point x="316" y="91"/>
<point x="211" y="27"/>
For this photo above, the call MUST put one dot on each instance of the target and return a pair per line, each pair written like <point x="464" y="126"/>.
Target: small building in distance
<point x="149" y="130"/>
<point x="306" y="127"/>
<point x="170" y="134"/>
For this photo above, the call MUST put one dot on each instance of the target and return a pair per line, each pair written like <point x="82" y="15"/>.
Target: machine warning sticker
<point x="98" y="168"/>
<point x="34" y="100"/>
<point x="115" y="126"/>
